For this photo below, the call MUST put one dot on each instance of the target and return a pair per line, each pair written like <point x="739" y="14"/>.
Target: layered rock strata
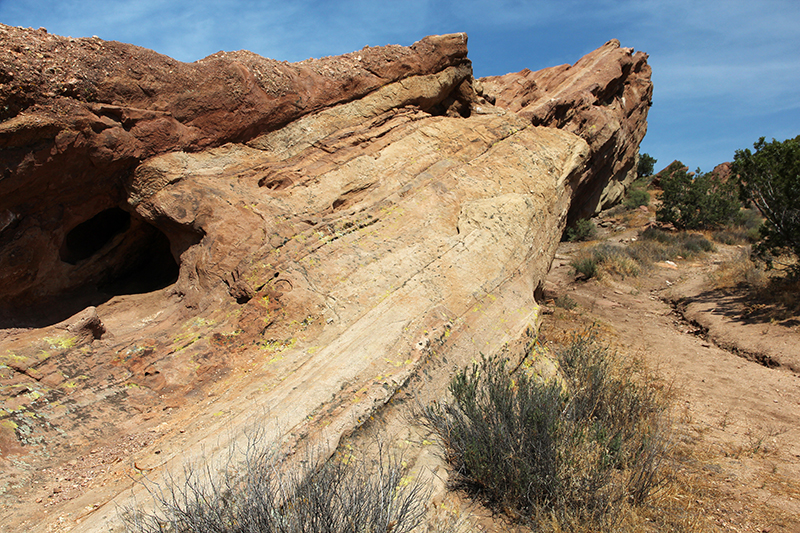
<point x="604" y="99"/>
<point x="248" y="241"/>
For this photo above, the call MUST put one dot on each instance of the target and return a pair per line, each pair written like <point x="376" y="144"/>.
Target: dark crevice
<point x="700" y="331"/>
<point x="113" y="253"/>
<point x="149" y="267"/>
<point x="89" y="237"/>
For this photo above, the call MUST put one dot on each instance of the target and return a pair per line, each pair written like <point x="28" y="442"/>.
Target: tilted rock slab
<point x="603" y="98"/>
<point x="285" y="245"/>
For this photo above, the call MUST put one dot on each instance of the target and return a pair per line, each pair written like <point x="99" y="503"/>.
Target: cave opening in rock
<point x="147" y="264"/>
<point x="120" y="254"/>
<point x="89" y="237"/>
<point x="112" y="253"/>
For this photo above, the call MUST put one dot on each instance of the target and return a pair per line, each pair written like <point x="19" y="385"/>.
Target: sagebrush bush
<point x="604" y="258"/>
<point x="732" y="235"/>
<point x="575" y="448"/>
<point x="653" y="245"/>
<point x="565" y="302"/>
<point x="257" y="493"/>
<point x="683" y="244"/>
<point x="743" y="228"/>
<point x="586" y="265"/>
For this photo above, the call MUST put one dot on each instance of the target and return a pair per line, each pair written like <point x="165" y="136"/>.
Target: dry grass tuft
<point x="254" y="491"/>
<point x="652" y="245"/>
<point x="740" y="270"/>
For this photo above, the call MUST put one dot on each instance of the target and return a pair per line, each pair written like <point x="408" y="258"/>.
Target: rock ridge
<point x="603" y="98"/>
<point x="297" y="240"/>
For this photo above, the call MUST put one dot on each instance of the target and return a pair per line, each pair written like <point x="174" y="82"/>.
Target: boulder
<point x="187" y="250"/>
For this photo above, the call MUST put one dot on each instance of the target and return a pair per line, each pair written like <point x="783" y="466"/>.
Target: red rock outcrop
<point x="80" y="114"/>
<point x="199" y="244"/>
<point x="604" y="99"/>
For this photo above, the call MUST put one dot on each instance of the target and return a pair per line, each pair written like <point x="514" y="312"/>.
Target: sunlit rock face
<point x="186" y="246"/>
<point x="604" y="99"/>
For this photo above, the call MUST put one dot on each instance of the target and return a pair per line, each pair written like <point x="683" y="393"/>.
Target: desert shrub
<point x="585" y="265"/>
<point x="659" y="235"/>
<point x="257" y="493"/>
<point x="574" y="449"/>
<point x="673" y="244"/>
<point x="615" y="260"/>
<point x="696" y="201"/>
<point x="647" y="252"/>
<point x="565" y="302"/>
<point x="583" y="230"/>
<point x="608" y="258"/>
<point x="732" y="235"/>
<point x="743" y="228"/>
<point x="770" y="178"/>
<point x="692" y="244"/>
<point x="636" y="197"/>
<point x="738" y="270"/>
<point x="653" y="245"/>
<point x="749" y="219"/>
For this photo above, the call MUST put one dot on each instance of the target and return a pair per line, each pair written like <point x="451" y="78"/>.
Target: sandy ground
<point x="738" y="418"/>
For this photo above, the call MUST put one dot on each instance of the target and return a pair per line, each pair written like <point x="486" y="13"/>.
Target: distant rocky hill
<point x="184" y="247"/>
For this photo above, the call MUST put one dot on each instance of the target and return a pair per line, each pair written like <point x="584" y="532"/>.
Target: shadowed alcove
<point x="112" y="253"/>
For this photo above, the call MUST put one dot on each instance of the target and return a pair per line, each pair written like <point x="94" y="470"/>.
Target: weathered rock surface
<point x="80" y="114"/>
<point x="604" y="99"/>
<point x="205" y="246"/>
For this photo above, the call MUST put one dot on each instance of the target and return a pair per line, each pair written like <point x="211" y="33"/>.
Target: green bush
<point x="573" y="448"/>
<point x="770" y="178"/>
<point x="583" y="230"/>
<point x="696" y="201"/>
<point x="636" y="197"/>
<point x="646" y="165"/>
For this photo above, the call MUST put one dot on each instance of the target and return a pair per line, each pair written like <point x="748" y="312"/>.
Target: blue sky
<point x="725" y="72"/>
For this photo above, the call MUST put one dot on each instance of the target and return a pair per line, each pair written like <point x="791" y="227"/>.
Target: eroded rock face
<point x="604" y="99"/>
<point x="293" y="239"/>
<point x="79" y="115"/>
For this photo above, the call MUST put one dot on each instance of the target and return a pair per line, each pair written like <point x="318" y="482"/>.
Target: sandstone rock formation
<point x="603" y="98"/>
<point x="188" y="248"/>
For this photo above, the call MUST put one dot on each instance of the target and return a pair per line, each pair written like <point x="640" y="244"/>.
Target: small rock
<point x="87" y="322"/>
